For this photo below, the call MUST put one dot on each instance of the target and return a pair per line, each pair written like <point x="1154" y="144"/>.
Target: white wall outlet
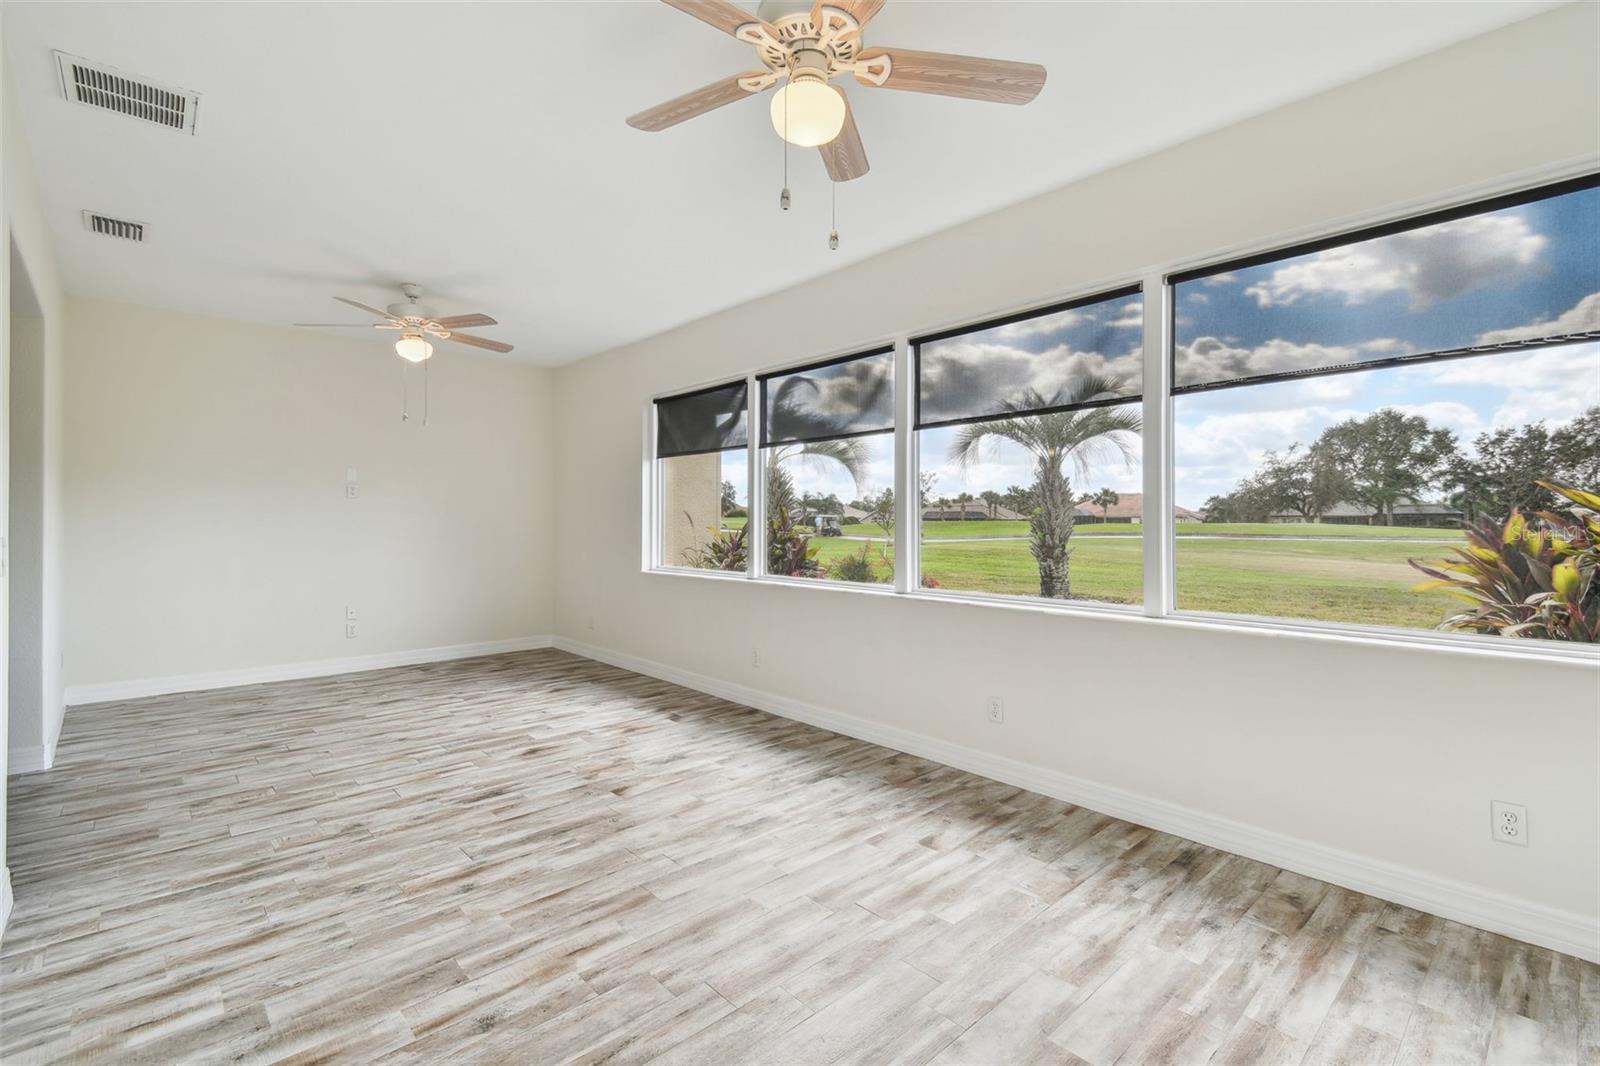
<point x="349" y="630"/>
<point x="349" y="614"/>
<point x="1509" y="823"/>
<point x="997" y="710"/>
<point x="755" y="658"/>
<point x="350" y="482"/>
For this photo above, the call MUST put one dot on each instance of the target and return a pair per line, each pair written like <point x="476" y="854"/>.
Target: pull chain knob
<point x="783" y="198"/>
<point x="833" y="240"/>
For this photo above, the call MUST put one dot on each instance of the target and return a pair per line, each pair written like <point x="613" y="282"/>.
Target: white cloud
<point x="1211" y="359"/>
<point x="985" y="372"/>
<point x="1446" y="414"/>
<point x="1430" y="264"/>
<point x="1582" y="317"/>
<point x="1035" y="327"/>
<point x="1129" y="316"/>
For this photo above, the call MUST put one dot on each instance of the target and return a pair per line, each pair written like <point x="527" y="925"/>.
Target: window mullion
<point x="755" y="537"/>
<point x="1158" y="518"/>
<point x="906" y="563"/>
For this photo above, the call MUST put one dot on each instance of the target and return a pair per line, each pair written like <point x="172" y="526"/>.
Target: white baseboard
<point x="78" y="695"/>
<point x="29" y="760"/>
<point x="5" y="898"/>
<point x="1564" y="931"/>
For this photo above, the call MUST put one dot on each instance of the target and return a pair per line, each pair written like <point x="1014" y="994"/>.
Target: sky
<point x="1527" y="271"/>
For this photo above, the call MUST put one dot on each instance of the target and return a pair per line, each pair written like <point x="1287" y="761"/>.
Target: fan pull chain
<point x="405" y="393"/>
<point x="783" y="197"/>
<point x="425" y="363"/>
<point x="833" y="216"/>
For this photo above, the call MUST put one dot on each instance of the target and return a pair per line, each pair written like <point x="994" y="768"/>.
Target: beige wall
<point x="29" y="742"/>
<point x="691" y="494"/>
<point x="1387" y="755"/>
<point x="207" y="524"/>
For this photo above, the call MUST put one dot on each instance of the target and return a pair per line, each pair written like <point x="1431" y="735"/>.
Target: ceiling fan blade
<point x="364" y="307"/>
<point x="340" y="325"/>
<point x="478" y="342"/>
<point x="863" y="11"/>
<point x="844" y="156"/>
<point x="452" y="321"/>
<point x="687" y="106"/>
<point x="999" y="81"/>
<point x="722" y="14"/>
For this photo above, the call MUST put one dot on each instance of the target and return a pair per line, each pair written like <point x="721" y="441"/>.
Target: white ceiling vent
<point x="97" y="85"/>
<point x="121" y="228"/>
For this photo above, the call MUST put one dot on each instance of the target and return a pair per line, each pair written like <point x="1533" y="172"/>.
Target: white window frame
<point x="1157" y="456"/>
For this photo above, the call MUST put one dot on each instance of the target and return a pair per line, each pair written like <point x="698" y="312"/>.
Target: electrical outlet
<point x="350" y="491"/>
<point x="349" y="630"/>
<point x="591" y="623"/>
<point x="349" y="614"/>
<point x="1509" y="823"/>
<point x="997" y="710"/>
<point x="755" y="658"/>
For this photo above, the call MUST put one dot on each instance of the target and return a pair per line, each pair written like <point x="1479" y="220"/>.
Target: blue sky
<point x="1503" y="276"/>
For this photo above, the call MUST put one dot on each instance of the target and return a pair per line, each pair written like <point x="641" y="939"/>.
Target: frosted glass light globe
<point x="413" y="349"/>
<point x="815" y="112"/>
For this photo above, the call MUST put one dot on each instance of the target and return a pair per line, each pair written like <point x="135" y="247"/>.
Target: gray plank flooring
<point x="535" y="858"/>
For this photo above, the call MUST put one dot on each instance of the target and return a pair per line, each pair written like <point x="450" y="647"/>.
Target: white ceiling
<point x="480" y="149"/>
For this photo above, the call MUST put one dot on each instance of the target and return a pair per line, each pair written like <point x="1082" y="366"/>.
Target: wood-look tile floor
<point x="535" y="858"/>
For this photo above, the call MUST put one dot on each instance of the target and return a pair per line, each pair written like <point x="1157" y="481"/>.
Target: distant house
<point x="1129" y="508"/>
<point x="971" y="511"/>
<point x="1406" y="513"/>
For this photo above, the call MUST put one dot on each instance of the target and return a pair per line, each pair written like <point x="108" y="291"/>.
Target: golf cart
<point x="826" y="525"/>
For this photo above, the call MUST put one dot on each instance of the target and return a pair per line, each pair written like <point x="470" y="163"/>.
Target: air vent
<point x="107" y="88"/>
<point x="121" y="228"/>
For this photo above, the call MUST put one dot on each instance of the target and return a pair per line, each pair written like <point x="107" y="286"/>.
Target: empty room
<point x="864" y="531"/>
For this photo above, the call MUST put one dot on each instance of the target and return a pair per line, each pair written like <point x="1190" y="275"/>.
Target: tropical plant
<point x="726" y="550"/>
<point x="1053" y="439"/>
<point x="730" y="500"/>
<point x="855" y="567"/>
<point x="789" y="551"/>
<point x="1523" y="577"/>
<point x="991" y="502"/>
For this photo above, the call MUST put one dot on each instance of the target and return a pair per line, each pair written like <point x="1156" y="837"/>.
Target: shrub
<point x="726" y="550"/>
<point x="854" y="567"/>
<point x="1536" y="578"/>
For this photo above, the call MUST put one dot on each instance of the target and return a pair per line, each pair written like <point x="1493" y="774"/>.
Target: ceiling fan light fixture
<point x="808" y="112"/>
<point x="412" y="348"/>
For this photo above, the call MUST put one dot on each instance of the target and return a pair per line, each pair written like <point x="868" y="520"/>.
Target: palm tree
<point x="1105" y="499"/>
<point x="1053" y="438"/>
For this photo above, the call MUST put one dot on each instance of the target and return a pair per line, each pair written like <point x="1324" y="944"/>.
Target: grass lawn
<point x="1002" y="528"/>
<point x="1336" y="581"/>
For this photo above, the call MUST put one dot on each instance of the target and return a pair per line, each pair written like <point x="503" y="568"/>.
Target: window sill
<point x="1284" y="629"/>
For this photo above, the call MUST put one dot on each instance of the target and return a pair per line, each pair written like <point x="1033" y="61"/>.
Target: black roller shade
<point x="1519" y="271"/>
<point x="1085" y="353"/>
<point x="848" y="397"/>
<point x="708" y="420"/>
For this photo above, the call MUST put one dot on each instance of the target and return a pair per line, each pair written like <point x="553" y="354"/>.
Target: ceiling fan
<point x="416" y="323"/>
<point x="806" y="46"/>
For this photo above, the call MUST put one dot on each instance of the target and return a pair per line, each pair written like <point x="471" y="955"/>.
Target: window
<point x="1347" y="412"/>
<point x="1029" y="437"/>
<point x="1369" y="430"/>
<point x="701" y="483"/>
<point x="827" y="438"/>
